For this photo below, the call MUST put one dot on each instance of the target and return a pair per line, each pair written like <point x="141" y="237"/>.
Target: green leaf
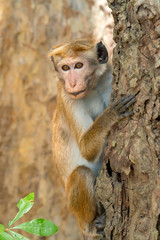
<point x="18" y="236"/>
<point x="5" y="236"/>
<point x="1" y="228"/>
<point x="24" y="205"/>
<point x="40" y="227"/>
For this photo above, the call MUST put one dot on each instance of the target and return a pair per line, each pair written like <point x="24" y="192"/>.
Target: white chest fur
<point x="99" y="98"/>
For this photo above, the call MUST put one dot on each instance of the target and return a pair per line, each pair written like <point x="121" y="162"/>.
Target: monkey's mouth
<point x="77" y="93"/>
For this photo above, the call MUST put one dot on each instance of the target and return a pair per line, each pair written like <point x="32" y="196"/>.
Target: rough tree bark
<point x="129" y="184"/>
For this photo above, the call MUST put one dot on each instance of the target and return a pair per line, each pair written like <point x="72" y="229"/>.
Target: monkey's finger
<point x="130" y="99"/>
<point x="126" y="114"/>
<point x="127" y="105"/>
<point x="100" y="234"/>
<point x="124" y="99"/>
<point x="100" y="221"/>
<point x="101" y="218"/>
<point x="99" y="225"/>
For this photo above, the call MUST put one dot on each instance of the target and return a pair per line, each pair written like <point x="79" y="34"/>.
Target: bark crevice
<point x="158" y="227"/>
<point x="109" y="169"/>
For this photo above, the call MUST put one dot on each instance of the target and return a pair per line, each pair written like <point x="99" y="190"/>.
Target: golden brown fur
<point x="71" y="48"/>
<point x="81" y="123"/>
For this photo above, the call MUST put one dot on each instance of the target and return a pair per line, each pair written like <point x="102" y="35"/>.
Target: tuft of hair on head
<point x="71" y="49"/>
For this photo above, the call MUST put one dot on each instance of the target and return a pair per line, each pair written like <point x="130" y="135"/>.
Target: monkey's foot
<point x="96" y="236"/>
<point x="96" y="229"/>
<point x="99" y="236"/>
<point x="100" y="225"/>
<point x="100" y="222"/>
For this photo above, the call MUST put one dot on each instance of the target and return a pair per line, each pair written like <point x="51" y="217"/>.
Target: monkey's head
<point x="79" y="65"/>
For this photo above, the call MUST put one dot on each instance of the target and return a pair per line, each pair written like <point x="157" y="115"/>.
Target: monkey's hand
<point x="123" y="104"/>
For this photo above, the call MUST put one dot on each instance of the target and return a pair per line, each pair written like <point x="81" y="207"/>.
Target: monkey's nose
<point x="72" y="83"/>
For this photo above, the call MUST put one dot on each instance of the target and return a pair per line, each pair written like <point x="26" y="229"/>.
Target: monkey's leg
<point x="82" y="202"/>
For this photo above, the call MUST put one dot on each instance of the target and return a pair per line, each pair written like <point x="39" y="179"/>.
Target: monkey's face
<point x="79" y="65"/>
<point x="78" y="75"/>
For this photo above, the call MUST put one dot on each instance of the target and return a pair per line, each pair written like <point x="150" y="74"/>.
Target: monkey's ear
<point x="52" y="59"/>
<point x="102" y="53"/>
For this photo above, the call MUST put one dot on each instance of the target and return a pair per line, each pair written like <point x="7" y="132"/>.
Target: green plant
<point x="40" y="227"/>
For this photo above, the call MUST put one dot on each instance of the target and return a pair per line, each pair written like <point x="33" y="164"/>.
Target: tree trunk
<point x="129" y="184"/>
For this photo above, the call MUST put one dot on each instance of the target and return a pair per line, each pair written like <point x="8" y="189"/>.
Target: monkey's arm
<point x="92" y="141"/>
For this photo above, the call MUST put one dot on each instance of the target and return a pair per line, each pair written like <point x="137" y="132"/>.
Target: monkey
<point x="81" y="123"/>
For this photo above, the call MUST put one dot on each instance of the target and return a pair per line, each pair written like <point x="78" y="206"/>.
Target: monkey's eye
<point x="79" y="65"/>
<point x="65" y="67"/>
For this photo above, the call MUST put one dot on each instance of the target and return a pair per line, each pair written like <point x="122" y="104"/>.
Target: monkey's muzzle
<point x="77" y="93"/>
